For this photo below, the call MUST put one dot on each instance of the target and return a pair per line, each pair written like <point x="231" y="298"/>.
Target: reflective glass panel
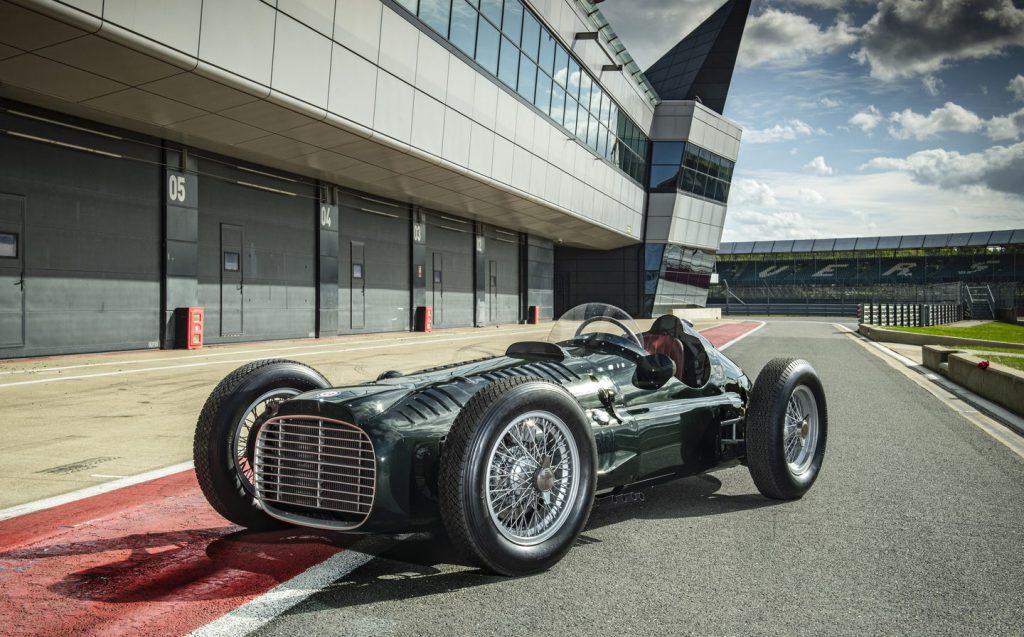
<point x="561" y="65"/>
<point x="435" y="14"/>
<point x="547" y="52"/>
<point x="8" y="245"/>
<point x="557" y="103"/>
<point x="585" y="88"/>
<point x="573" y="79"/>
<point x="463" y="35"/>
<point x="492" y="10"/>
<point x="512" y="20"/>
<point x="664" y="178"/>
<point x="411" y="5"/>
<point x="508" y="63"/>
<point x="531" y="35"/>
<point x="570" y="115"/>
<point x="667" y="153"/>
<point x="592" y="132"/>
<point x="542" y="97"/>
<point x="487" y="47"/>
<point x="527" y="77"/>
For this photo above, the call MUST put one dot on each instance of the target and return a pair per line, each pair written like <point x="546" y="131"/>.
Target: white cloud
<point x="818" y="166"/>
<point x="867" y="119"/>
<point x="932" y="84"/>
<point x="809" y="195"/>
<point x="828" y="102"/>
<point x="781" y="224"/>
<point x="998" y="168"/>
<point x="780" y="37"/>
<point x="1016" y="86"/>
<point x="949" y="117"/>
<point x="750" y="192"/>
<point x="790" y="130"/>
<point x="953" y="118"/>
<point x="907" y="38"/>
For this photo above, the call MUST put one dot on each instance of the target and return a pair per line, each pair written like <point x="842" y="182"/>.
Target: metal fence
<point x="787" y="309"/>
<point x="909" y="314"/>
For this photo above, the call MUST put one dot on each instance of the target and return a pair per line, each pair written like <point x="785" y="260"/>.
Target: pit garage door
<point x="257" y="254"/>
<point x="373" y="265"/>
<point x="501" y="276"/>
<point x="449" y="284"/>
<point x="79" y="238"/>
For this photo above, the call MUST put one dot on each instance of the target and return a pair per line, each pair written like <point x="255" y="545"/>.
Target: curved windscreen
<point x="595" y="322"/>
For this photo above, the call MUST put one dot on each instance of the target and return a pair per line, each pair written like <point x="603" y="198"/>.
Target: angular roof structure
<point x="700" y="66"/>
<point x="903" y="242"/>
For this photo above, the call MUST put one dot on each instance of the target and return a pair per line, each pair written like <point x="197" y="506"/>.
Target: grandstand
<point x="832" y="276"/>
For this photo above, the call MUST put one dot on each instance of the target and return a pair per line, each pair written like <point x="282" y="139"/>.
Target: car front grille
<point x="316" y="463"/>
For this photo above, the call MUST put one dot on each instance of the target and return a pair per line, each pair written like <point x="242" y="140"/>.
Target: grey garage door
<point x="501" y="271"/>
<point x="449" y="243"/>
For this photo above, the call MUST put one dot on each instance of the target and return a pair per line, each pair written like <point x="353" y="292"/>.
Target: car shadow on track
<point x="422" y="564"/>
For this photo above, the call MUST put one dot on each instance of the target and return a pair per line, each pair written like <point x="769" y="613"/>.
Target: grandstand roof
<point x="956" y="240"/>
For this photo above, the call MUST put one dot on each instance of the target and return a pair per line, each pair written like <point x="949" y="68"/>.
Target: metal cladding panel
<point x="450" y="245"/>
<point x="763" y="246"/>
<point x="843" y="245"/>
<point x="911" y="242"/>
<point x="936" y="241"/>
<point x="1000" y="237"/>
<point x="502" y="249"/>
<point x="384" y="231"/>
<point x="782" y="247"/>
<point x="803" y="245"/>
<point x="743" y="247"/>
<point x="959" y="240"/>
<point x="866" y="243"/>
<point x="278" y="254"/>
<point x="727" y="248"/>
<point x="888" y="243"/>
<point x="979" y="239"/>
<point x="92" y="239"/>
<point x="1018" y="237"/>
<point x="822" y="245"/>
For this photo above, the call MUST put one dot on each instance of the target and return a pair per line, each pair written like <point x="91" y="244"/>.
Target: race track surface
<point x="914" y="527"/>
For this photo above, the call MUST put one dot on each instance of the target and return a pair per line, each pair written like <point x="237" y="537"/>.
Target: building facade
<point x="306" y="168"/>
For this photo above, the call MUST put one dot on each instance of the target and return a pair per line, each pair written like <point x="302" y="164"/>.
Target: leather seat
<point x="667" y="345"/>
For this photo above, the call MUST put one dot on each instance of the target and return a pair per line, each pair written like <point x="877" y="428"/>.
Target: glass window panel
<point x="492" y="10"/>
<point x="573" y="79"/>
<point x="231" y="261"/>
<point x="547" y="52"/>
<point x="602" y="141"/>
<point x="698" y="184"/>
<point x="527" y="77"/>
<point x="713" y="165"/>
<point x="692" y="159"/>
<point x="512" y="20"/>
<point x="487" y="47"/>
<point x="581" y="123"/>
<point x="531" y="35"/>
<point x="606" y="109"/>
<point x="725" y="193"/>
<point x="561" y="65"/>
<point x="410" y="5"/>
<point x="719" y="191"/>
<point x="508" y="63"/>
<point x="435" y="14"/>
<point x="542" y="96"/>
<point x="463" y="35"/>
<point x="663" y="178"/>
<point x="688" y="180"/>
<point x="570" y="115"/>
<point x="592" y="132"/>
<point x="8" y="245"/>
<point x="725" y="170"/>
<point x="557" y="103"/>
<point x="670" y="153"/>
<point x="585" y="89"/>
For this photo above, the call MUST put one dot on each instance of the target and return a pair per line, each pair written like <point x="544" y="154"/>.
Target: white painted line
<point x="999" y="423"/>
<point x="286" y="595"/>
<point x="88" y="492"/>
<point x="742" y="336"/>
<point x="248" y="359"/>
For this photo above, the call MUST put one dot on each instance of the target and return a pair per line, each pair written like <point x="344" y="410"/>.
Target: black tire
<point x="778" y="382"/>
<point x="228" y="492"/>
<point x="463" y="475"/>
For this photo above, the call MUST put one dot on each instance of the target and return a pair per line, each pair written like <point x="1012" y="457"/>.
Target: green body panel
<point x="674" y="430"/>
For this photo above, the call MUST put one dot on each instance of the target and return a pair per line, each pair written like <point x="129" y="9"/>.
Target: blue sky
<point x="864" y="117"/>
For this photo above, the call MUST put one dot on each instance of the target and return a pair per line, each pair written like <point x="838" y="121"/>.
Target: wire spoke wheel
<point x="800" y="431"/>
<point x="240" y="442"/>
<point x="532" y="477"/>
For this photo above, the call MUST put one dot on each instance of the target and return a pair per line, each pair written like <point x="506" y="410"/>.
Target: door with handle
<point x="231" y="281"/>
<point x="358" y="287"/>
<point x="12" y="271"/>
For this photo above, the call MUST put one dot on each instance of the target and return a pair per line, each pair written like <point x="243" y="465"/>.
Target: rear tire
<point x="517" y="476"/>
<point x="221" y="450"/>
<point x="787" y="427"/>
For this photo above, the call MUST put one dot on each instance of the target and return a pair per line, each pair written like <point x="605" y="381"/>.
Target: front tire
<point x="517" y="476"/>
<point x="787" y="426"/>
<point x="222" y="451"/>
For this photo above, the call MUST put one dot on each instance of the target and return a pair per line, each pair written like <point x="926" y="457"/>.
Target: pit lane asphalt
<point x="913" y="527"/>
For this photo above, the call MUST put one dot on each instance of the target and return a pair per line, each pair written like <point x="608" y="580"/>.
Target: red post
<point x="425" y="318"/>
<point x="196" y="320"/>
<point x="534" y="317"/>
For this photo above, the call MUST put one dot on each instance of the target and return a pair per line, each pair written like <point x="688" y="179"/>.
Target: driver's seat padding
<point x="667" y="345"/>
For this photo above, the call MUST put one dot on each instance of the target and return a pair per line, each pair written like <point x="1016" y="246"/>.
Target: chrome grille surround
<point x="318" y="465"/>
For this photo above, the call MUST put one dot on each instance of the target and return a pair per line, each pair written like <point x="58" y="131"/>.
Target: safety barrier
<point x="787" y="309"/>
<point x="909" y="314"/>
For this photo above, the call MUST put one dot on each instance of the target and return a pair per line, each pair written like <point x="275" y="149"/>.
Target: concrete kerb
<point x="883" y="335"/>
<point x="998" y="383"/>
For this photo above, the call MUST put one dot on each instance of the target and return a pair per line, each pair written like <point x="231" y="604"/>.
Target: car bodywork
<point x="377" y="446"/>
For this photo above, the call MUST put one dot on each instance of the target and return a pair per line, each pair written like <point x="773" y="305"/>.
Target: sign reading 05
<point x="181" y="189"/>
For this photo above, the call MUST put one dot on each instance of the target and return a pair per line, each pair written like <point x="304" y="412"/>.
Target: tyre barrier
<point x="909" y="314"/>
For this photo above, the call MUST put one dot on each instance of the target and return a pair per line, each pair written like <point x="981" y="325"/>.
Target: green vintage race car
<point x="508" y="453"/>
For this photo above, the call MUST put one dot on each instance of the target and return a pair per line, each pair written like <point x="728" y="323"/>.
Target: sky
<point x="862" y="117"/>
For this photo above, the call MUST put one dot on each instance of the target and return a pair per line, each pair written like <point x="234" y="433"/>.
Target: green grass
<point x="1008" y="350"/>
<point x="1016" y="362"/>
<point x="987" y="331"/>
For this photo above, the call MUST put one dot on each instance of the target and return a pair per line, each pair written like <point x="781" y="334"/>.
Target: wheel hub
<point x="545" y="479"/>
<point x="805" y="428"/>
